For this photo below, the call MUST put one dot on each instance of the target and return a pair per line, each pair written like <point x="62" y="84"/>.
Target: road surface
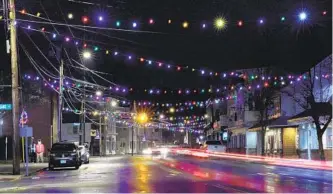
<point x="123" y="174"/>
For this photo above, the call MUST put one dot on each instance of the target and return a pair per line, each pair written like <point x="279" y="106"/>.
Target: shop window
<point x="303" y="139"/>
<point x="329" y="137"/>
<point x="75" y="129"/>
<point x="329" y="141"/>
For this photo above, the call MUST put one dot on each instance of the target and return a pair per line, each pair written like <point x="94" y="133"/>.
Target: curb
<point x="10" y="178"/>
<point x="3" y="190"/>
<point x="13" y="178"/>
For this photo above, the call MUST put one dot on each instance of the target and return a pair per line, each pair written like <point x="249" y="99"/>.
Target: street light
<point x="161" y="116"/>
<point x="99" y="93"/>
<point x="172" y="110"/>
<point x="141" y="118"/>
<point x="113" y="103"/>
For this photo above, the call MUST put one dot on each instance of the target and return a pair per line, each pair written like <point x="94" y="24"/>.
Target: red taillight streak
<point x="274" y="161"/>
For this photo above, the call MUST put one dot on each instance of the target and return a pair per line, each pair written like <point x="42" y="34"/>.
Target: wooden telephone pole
<point x="15" y="88"/>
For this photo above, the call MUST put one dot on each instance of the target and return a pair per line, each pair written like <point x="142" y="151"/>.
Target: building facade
<point x="290" y="130"/>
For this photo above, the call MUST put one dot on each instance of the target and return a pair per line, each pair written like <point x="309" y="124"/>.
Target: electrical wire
<point x="90" y="27"/>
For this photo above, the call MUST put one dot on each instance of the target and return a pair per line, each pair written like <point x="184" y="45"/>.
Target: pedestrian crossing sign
<point x="93" y="133"/>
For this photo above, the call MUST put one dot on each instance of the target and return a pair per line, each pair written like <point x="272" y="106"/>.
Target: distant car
<point x="64" y="154"/>
<point x="84" y="154"/>
<point x="214" y="146"/>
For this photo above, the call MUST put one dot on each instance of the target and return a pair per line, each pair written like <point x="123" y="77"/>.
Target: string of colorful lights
<point x="218" y="23"/>
<point x="264" y="82"/>
<point x="88" y="48"/>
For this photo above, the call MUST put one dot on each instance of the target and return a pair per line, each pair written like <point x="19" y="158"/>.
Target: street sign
<point x="93" y="132"/>
<point x="5" y="107"/>
<point x="26" y="131"/>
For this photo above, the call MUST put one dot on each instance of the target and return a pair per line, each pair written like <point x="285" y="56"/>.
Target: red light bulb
<point x="85" y="19"/>
<point x="240" y="23"/>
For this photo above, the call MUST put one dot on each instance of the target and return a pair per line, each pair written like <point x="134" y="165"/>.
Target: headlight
<point x="73" y="154"/>
<point x="147" y="151"/>
<point x="164" y="150"/>
<point x="52" y="155"/>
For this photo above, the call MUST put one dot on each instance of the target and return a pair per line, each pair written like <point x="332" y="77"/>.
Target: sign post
<point x="24" y="134"/>
<point x="6" y="154"/>
<point x="26" y="154"/>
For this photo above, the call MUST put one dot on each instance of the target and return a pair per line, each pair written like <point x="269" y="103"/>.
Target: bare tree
<point x="264" y="104"/>
<point x="313" y="93"/>
<point x="264" y="99"/>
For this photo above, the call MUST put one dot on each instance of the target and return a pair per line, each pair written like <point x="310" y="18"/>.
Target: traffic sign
<point x="5" y="107"/>
<point x="26" y="131"/>
<point x="93" y="132"/>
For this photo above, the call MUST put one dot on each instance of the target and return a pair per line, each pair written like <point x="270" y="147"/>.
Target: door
<point x="289" y="142"/>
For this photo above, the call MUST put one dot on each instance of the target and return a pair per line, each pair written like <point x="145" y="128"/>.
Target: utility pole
<point x="100" y="135"/>
<point x="132" y="139"/>
<point x="61" y="77"/>
<point x="55" y="118"/>
<point x="15" y="88"/>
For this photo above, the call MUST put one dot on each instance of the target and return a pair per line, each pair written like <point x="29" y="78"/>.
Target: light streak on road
<point x="301" y="163"/>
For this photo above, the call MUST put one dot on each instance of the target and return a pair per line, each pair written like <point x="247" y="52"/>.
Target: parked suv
<point x="64" y="154"/>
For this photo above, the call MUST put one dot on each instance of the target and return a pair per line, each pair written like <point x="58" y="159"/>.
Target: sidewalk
<point x="7" y="169"/>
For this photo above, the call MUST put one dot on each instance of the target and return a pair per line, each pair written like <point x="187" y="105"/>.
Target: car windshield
<point x="63" y="147"/>
<point x="213" y="143"/>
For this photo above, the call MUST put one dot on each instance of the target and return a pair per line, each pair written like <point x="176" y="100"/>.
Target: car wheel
<point x="77" y="167"/>
<point x="87" y="161"/>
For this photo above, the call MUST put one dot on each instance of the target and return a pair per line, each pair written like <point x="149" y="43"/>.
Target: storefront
<point x="308" y="145"/>
<point x="237" y="142"/>
<point x="280" y="139"/>
<point x="273" y="141"/>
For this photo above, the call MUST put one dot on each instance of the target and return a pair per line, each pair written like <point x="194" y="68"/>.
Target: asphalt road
<point x="174" y="174"/>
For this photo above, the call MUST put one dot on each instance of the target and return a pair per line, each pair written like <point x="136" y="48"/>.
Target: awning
<point x="236" y="131"/>
<point x="323" y="108"/>
<point x="280" y="122"/>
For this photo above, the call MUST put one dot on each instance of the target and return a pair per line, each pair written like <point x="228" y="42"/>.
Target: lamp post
<point x="87" y="55"/>
<point x="141" y="118"/>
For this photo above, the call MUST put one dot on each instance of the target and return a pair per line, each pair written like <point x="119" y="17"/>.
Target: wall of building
<point x="292" y="96"/>
<point x="71" y="132"/>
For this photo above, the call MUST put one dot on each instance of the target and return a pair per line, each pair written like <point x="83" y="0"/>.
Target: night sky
<point x="290" y="45"/>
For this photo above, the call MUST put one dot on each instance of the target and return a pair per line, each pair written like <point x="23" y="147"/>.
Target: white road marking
<point x="226" y="188"/>
<point x="312" y="181"/>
